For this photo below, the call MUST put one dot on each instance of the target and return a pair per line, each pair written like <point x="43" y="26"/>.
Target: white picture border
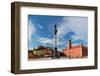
<point x="55" y="63"/>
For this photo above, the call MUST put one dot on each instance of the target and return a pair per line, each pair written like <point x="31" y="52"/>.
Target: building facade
<point x="39" y="52"/>
<point x="76" y="51"/>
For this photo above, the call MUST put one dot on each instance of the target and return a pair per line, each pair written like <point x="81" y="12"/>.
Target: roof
<point x="77" y="46"/>
<point x="74" y="47"/>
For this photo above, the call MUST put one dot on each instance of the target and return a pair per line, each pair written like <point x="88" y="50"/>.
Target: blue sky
<point x="41" y="30"/>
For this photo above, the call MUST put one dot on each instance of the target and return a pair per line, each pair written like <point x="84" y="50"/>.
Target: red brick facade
<point x="76" y="51"/>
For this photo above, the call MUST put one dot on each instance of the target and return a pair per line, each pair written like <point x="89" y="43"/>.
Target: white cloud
<point x="30" y="48"/>
<point x="62" y="30"/>
<point x="49" y="36"/>
<point x="49" y="41"/>
<point x="41" y="27"/>
<point x="79" y="25"/>
<point x="75" y="38"/>
<point x="45" y="40"/>
<point x="31" y="29"/>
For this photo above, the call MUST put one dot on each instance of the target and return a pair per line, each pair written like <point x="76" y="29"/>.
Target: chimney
<point x="69" y="44"/>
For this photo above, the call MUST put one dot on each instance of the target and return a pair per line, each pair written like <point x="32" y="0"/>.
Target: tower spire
<point x="69" y="44"/>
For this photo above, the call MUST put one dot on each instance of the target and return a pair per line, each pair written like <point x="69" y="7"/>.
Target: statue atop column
<point x="56" y="53"/>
